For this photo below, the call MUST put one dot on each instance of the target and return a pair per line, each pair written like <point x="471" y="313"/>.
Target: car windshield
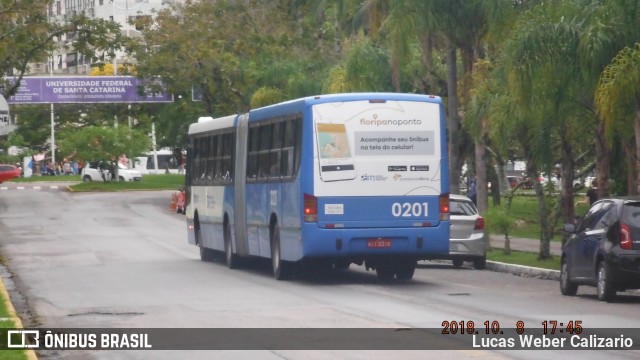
<point x="462" y="207"/>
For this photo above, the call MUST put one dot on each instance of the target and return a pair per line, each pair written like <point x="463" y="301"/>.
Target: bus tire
<point x="230" y="258"/>
<point x="206" y="254"/>
<point x="405" y="270"/>
<point x="385" y="271"/>
<point x="341" y="265"/>
<point x="282" y="270"/>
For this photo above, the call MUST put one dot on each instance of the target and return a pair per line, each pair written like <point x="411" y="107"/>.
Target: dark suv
<point x="604" y="250"/>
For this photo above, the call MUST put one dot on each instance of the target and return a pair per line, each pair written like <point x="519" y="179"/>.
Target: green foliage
<point x="53" y="178"/>
<point x="28" y="35"/>
<point x="525" y="214"/>
<point x="104" y="143"/>
<point x="499" y="220"/>
<point x="266" y="96"/>
<point x="229" y="54"/>
<point x="9" y="324"/>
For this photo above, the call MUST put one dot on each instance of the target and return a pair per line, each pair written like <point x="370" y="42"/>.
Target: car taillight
<point x="444" y="206"/>
<point x="479" y="224"/>
<point x="626" y="242"/>
<point x="310" y="208"/>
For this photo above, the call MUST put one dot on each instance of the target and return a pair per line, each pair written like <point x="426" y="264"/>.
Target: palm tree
<point x="618" y="95"/>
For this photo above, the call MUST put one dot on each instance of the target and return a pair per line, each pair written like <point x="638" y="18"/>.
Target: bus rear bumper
<point x="420" y="243"/>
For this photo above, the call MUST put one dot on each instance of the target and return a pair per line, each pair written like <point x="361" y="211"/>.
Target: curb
<point x="524" y="271"/>
<point x="31" y="355"/>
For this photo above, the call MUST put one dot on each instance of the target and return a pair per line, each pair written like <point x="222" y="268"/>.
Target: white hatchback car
<point x="92" y="172"/>
<point x="468" y="240"/>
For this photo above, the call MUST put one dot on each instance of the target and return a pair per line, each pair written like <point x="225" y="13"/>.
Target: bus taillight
<point x="444" y="206"/>
<point x="310" y="208"/>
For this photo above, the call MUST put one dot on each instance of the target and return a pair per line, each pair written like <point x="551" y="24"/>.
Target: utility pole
<point x="53" y="131"/>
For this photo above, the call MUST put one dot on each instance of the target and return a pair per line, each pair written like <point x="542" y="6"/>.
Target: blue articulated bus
<point x="332" y="179"/>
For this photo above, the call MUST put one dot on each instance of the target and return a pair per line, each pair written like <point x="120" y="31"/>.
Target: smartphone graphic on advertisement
<point x="334" y="153"/>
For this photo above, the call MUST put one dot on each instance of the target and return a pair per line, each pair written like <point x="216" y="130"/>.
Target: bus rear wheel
<point x="385" y="271"/>
<point x="206" y="254"/>
<point x="405" y="270"/>
<point x="282" y="270"/>
<point x="230" y="257"/>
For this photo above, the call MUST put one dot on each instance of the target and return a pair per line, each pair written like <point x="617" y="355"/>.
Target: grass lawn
<point x="7" y="323"/>
<point x="47" y="178"/>
<point x="149" y="182"/>
<point x="525" y="209"/>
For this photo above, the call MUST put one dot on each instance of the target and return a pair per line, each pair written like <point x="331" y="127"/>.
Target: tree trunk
<point x="507" y="244"/>
<point x="532" y="173"/>
<point x="453" y="119"/>
<point x="603" y="161"/>
<point x="636" y="132"/>
<point x="427" y="53"/>
<point x="632" y="173"/>
<point x="481" y="175"/>
<point x="566" y="197"/>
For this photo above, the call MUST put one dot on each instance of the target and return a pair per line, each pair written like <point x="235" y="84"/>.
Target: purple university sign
<point x="84" y="89"/>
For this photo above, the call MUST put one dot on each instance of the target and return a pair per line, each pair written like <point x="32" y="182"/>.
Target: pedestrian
<point x="472" y="191"/>
<point x="592" y="194"/>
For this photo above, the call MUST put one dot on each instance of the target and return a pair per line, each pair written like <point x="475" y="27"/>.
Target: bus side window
<point x="215" y="157"/>
<point x="291" y="147"/>
<point x="263" y="151"/>
<point x="276" y="149"/>
<point x="226" y="151"/>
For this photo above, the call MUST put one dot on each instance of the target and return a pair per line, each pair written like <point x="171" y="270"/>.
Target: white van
<point x="167" y="162"/>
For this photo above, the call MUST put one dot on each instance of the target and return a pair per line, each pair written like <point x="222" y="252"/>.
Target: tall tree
<point x="236" y="49"/>
<point x="28" y="34"/>
<point x="618" y="97"/>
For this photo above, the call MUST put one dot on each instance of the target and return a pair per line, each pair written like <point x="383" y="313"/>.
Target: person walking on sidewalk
<point x="472" y="193"/>
<point x="592" y="194"/>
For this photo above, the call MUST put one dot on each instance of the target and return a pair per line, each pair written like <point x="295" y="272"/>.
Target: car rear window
<point x="631" y="214"/>
<point x="462" y="207"/>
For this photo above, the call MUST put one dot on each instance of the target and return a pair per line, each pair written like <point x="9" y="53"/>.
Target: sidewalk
<point x="523" y="244"/>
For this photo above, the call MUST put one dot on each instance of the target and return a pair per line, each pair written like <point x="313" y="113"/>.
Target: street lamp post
<point x="53" y="131"/>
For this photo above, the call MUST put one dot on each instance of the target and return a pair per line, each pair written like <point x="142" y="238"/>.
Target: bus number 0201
<point x="409" y="209"/>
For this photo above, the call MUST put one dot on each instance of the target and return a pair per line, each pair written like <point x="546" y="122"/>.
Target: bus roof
<point x="288" y="107"/>
<point x="208" y="123"/>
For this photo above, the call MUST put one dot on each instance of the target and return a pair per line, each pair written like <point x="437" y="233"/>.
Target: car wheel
<point x="567" y="287"/>
<point x="606" y="291"/>
<point x="230" y="257"/>
<point x="86" y="178"/>
<point x="281" y="269"/>
<point x="457" y="263"/>
<point x="480" y="263"/>
<point x="405" y="271"/>
<point x="121" y="178"/>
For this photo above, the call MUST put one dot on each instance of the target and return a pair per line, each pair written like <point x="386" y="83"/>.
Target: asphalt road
<point x="121" y="260"/>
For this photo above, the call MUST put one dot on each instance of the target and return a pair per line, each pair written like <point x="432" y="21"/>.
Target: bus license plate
<point x="378" y="243"/>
